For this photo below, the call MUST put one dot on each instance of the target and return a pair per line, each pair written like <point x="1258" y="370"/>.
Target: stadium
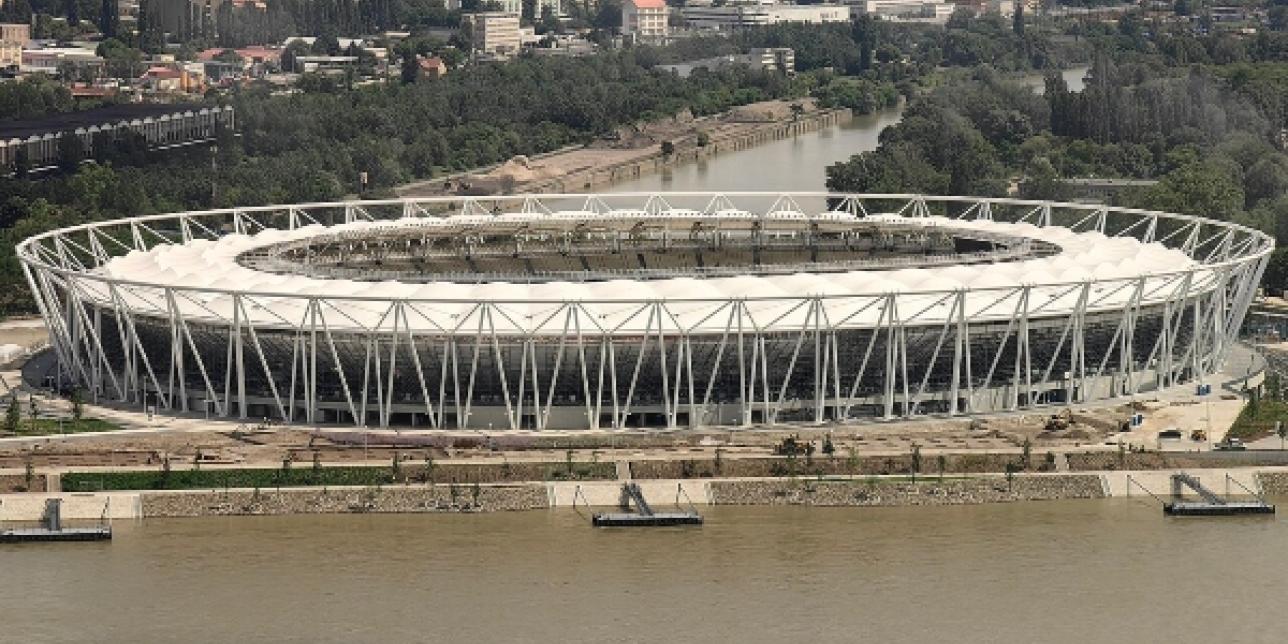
<point x="608" y="311"/>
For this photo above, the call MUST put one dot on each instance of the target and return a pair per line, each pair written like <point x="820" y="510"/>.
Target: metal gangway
<point x="1183" y="480"/>
<point x="631" y="494"/>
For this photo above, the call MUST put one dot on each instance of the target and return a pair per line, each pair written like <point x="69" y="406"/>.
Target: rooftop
<point x="22" y="129"/>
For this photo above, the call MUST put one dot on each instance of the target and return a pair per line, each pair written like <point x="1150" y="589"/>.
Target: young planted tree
<point x="78" y="404"/>
<point x="941" y="462"/>
<point x="1026" y="453"/>
<point x="12" y="415"/>
<point x="32" y="411"/>
<point x="915" y="465"/>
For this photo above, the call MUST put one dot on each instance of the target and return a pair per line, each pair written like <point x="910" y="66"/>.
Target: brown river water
<point x="1055" y="571"/>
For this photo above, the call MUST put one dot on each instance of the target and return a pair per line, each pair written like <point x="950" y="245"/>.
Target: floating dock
<point x="1204" y="509"/>
<point x="29" y="535"/>
<point x="53" y="530"/>
<point x="645" y="517"/>
<point x="630" y="519"/>
<point x="1211" y="505"/>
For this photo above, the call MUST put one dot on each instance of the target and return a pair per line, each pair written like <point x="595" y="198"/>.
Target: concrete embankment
<point x="531" y="496"/>
<point x="876" y="492"/>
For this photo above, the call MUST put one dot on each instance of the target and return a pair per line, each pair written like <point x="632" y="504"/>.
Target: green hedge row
<point x="307" y="476"/>
<point x="241" y="478"/>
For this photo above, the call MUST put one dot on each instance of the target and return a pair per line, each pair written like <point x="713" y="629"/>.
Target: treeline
<point x="1214" y="151"/>
<point x="34" y="97"/>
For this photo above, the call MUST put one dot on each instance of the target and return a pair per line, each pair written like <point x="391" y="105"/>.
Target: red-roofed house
<point x="432" y="67"/>
<point x="163" y="79"/>
<point x="645" y="20"/>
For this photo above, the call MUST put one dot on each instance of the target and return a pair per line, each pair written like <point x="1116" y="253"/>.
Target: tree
<point x="21" y="163"/>
<point x="78" y="403"/>
<point x="668" y="148"/>
<point x="12" y="415"/>
<point x="549" y="23"/>
<point x="71" y="152"/>
<point x="1281" y="430"/>
<point x="1018" y="19"/>
<point x="915" y="461"/>
<point x="109" y="18"/>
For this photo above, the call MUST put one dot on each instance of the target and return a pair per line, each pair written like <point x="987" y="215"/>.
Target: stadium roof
<point x="1116" y="264"/>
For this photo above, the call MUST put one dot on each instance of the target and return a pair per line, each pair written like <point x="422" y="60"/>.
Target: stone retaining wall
<point x="439" y="498"/>
<point x="875" y="492"/>
<point x="835" y="465"/>
<point x="1273" y="483"/>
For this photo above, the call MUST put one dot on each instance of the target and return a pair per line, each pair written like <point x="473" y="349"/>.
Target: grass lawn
<point x="1258" y="421"/>
<point x="51" y="427"/>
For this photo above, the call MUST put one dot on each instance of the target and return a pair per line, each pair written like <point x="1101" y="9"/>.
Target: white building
<point x="645" y="20"/>
<point x="494" y="33"/>
<point x="772" y="59"/>
<point x="928" y="10"/>
<point x="731" y="17"/>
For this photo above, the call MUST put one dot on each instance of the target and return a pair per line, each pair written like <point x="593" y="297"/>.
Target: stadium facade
<point x="640" y="310"/>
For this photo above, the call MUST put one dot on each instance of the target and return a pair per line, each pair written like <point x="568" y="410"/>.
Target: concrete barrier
<point x="76" y="506"/>
<point x="658" y="493"/>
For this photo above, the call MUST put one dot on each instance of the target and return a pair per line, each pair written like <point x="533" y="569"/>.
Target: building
<point x="162" y="126"/>
<point x="733" y="17"/>
<point x="1102" y="190"/>
<point x="431" y="68"/>
<point x="927" y="10"/>
<point x="494" y="33"/>
<point x="51" y="60"/>
<point x="13" y="38"/>
<point x="656" y="311"/>
<point x="645" y="20"/>
<point x="516" y="6"/>
<point x="774" y="59"/>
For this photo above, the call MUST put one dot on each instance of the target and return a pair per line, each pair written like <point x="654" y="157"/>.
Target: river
<point x="796" y="164"/>
<point x="1055" y="571"/>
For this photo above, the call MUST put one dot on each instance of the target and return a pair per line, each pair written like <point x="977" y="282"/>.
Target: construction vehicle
<point x="1060" y="421"/>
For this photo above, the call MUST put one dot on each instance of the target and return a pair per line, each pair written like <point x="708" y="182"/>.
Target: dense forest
<point x="1210" y="133"/>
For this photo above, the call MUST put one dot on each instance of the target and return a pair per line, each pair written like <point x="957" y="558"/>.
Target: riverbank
<point x="868" y="491"/>
<point x="642" y="150"/>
